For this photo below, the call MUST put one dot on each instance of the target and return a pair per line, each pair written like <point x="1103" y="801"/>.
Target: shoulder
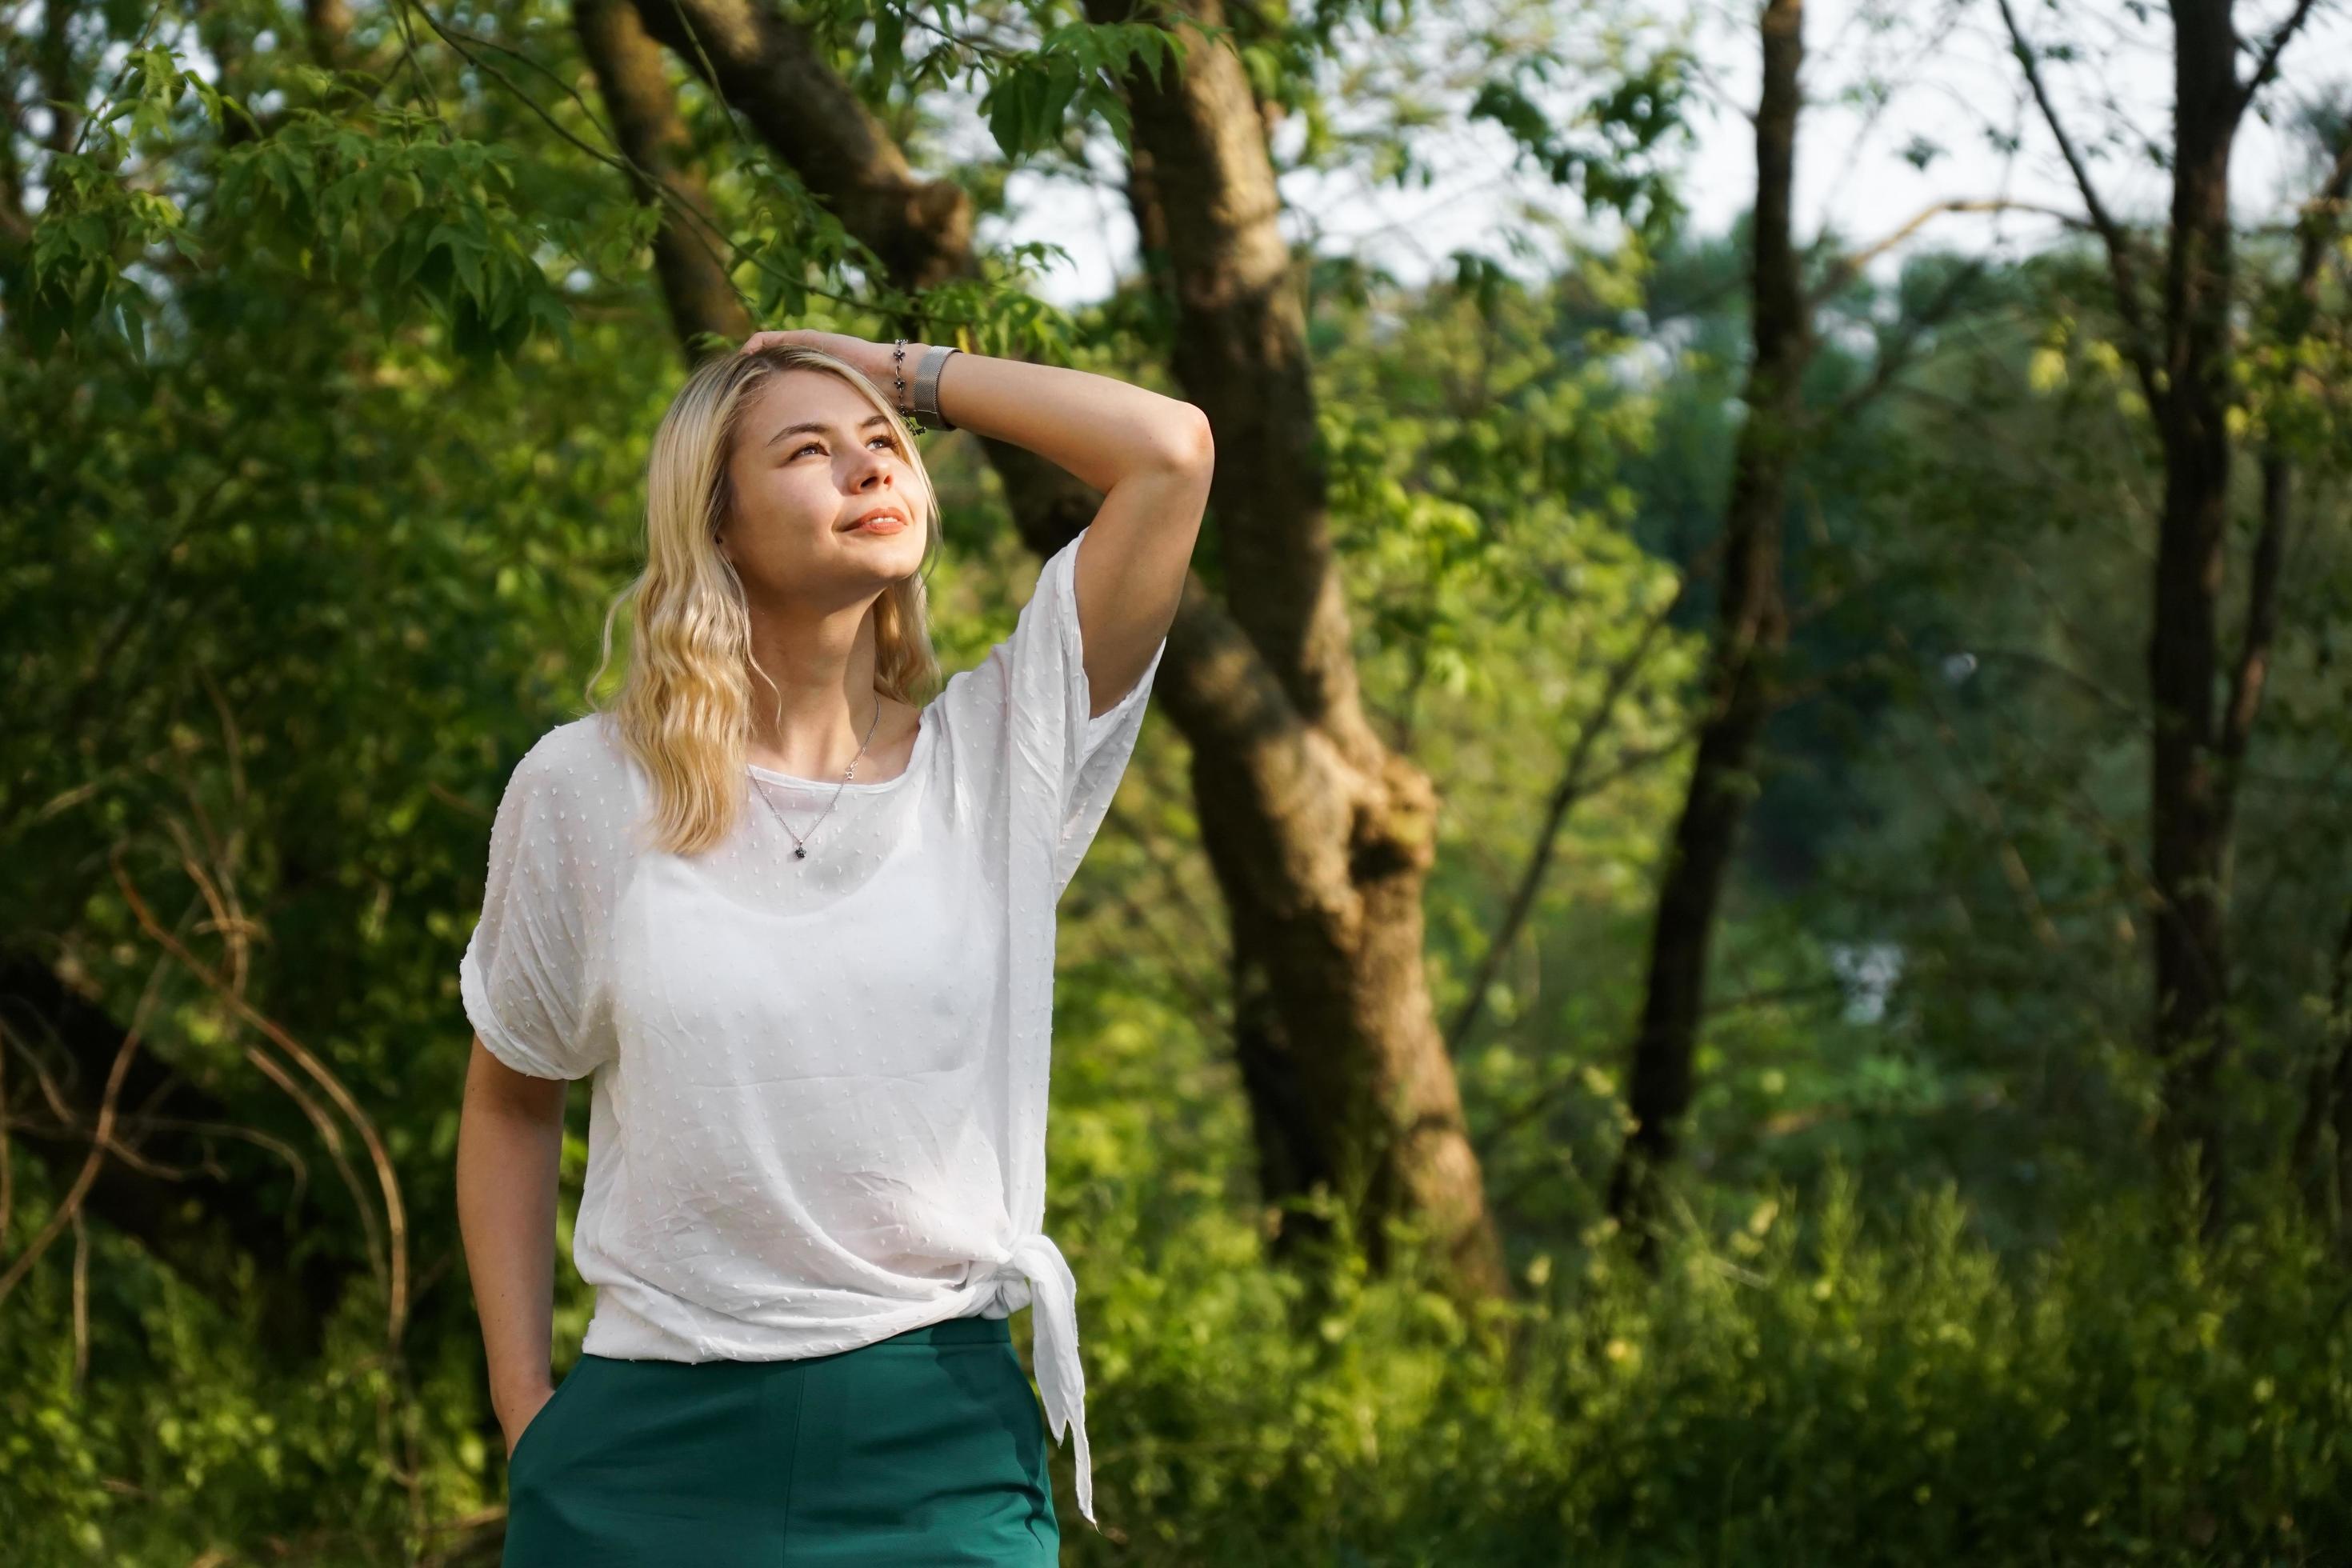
<point x="583" y="764"/>
<point x="574" y="805"/>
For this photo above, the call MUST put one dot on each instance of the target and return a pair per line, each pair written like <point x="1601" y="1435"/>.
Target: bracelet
<point x="927" y="385"/>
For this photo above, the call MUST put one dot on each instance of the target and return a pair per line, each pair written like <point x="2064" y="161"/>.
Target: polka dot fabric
<point x="817" y="1114"/>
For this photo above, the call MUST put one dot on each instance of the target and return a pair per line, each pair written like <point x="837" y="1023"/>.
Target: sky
<point x="1951" y="82"/>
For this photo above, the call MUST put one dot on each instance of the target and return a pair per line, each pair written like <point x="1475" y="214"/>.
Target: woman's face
<point x="813" y="458"/>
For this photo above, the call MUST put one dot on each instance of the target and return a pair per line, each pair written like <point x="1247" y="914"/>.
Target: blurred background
<point x="1730" y="941"/>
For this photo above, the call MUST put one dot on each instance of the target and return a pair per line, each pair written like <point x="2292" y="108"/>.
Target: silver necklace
<point x="800" y="845"/>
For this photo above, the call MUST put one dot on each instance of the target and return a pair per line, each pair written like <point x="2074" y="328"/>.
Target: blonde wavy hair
<point x="684" y="706"/>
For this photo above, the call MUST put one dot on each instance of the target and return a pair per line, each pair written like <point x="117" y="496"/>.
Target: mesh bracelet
<point x="927" y="385"/>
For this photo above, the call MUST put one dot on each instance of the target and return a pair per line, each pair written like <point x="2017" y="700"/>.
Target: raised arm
<point x="1151" y="455"/>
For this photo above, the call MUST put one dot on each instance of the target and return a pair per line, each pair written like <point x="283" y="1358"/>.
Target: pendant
<point x="800" y="851"/>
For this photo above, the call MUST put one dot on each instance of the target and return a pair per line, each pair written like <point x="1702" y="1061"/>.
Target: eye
<point x="889" y="441"/>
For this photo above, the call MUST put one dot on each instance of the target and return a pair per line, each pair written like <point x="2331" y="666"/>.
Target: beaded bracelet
<point x="924" y="410"/>
<point x="898" y="382"/>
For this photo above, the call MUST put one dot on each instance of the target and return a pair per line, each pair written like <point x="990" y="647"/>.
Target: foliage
<point x="324" y="437"/>
<point x="1806" y="1390"/>
<point x="1811" y="1387"/>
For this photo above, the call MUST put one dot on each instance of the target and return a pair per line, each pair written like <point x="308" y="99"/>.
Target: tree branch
<point x="2250" y="672"/>
<point x="1898" y="354"/>
<point x="1843" y="270"/>
<point x="2266" y="63"/>
<point x="2119" y="260"/>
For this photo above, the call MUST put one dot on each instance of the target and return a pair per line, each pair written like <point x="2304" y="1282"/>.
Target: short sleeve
<point x="524" y="976"/>
<point x="1025" y="706"/>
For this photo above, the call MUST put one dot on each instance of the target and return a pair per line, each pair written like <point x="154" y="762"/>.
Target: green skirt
<point x="928" y="1448"/>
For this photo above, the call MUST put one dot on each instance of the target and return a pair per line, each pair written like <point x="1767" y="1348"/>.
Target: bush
<point x="1799" y="1393"/>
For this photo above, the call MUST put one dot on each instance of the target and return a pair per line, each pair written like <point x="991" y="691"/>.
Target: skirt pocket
<point x="529" y="1443"/>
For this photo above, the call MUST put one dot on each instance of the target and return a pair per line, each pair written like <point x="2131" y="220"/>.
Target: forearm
<point x="1098" y="427"/>
<point x="508" y="1161"/>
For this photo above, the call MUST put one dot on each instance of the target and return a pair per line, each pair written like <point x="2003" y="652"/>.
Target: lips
<point x="883" y="519"/>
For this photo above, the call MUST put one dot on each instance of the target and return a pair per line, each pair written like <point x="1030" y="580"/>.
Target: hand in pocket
<point x="514" y="1439"/>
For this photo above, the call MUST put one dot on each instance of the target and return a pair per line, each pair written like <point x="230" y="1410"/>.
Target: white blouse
<point x="818" y="1110"/>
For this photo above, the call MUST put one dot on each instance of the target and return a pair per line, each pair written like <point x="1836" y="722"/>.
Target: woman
<point x="799" y="933"/>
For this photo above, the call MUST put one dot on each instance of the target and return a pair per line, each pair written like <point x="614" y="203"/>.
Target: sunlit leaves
<point x="1030" y="98"/>
<point x="1027" y="104"/>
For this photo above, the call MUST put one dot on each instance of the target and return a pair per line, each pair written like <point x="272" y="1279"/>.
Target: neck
<point x="813" y="724"/>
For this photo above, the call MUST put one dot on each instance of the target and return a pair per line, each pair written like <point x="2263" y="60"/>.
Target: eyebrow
<point x="822" y="426"/>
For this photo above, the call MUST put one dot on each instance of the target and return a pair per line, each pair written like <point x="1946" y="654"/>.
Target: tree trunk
<point x="2188" y="822"/>
<point x="2193" y="756"/>
<point x="2322" y="1139"/>
<point x="1751" y="626"/>
<point x="1320" y="837"/>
